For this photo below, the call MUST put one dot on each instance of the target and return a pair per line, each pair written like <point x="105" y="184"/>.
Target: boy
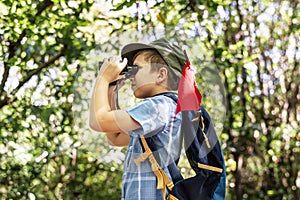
<point x="159" y="68"/>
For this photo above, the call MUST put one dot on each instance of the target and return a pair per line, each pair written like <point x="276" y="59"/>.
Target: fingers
<point x="112" y="67"/>
<point x="116" y="61"/>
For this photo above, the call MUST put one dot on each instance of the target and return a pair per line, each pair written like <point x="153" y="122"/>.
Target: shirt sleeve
<point x="152" y="114"/>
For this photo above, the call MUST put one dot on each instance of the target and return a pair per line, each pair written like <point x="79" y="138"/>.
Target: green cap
<point x="172" y="54"/>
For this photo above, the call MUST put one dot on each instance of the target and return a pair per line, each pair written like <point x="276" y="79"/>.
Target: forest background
<point x="247" y="55"/>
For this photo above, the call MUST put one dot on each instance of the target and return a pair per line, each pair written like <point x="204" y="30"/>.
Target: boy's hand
<point x="111" y="69"/>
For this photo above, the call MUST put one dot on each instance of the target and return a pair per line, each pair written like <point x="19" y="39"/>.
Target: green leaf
<point x="124" y="3"/>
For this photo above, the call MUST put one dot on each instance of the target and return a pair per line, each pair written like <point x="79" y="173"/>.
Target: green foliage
<point x="247" y="56"/>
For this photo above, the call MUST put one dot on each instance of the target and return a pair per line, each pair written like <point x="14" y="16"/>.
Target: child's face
<point x="143" y="83"/>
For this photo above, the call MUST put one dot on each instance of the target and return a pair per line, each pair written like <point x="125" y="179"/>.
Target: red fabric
<point x="189" y="97"/>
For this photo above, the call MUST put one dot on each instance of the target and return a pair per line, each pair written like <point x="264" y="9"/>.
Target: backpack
<point x="204" y="154"/>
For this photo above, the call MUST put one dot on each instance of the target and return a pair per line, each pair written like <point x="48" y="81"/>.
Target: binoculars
<point x="128" y="71"/>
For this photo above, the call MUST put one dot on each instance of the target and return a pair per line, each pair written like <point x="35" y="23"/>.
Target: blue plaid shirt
<point x="156" y="116"/>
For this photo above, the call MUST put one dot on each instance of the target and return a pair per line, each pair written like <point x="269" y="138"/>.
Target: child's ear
<point x="162" y="75"/>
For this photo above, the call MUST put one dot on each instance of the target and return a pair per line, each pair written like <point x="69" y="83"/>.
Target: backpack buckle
<point x="141" y="158"/>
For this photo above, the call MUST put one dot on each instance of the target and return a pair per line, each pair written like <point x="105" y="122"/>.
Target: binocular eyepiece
<point x="128" y="71"/>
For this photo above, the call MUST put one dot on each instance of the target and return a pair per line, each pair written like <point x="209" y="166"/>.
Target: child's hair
<point x="158" y="62"/>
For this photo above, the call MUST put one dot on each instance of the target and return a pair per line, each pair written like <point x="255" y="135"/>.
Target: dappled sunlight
<point x="247" y="58"/>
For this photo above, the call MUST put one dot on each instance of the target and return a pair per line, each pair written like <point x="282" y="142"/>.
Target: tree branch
<point x="7" y="99"/>
<point x="14" y="45"/>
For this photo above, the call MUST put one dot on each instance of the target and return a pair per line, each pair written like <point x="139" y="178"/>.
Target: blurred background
<point x="247" y="57"/>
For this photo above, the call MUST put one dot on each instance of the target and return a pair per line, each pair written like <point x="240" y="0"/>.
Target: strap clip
<point x="142" y="158"/>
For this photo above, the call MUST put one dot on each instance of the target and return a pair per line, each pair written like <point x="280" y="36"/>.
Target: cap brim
<point x="130" y="50"/>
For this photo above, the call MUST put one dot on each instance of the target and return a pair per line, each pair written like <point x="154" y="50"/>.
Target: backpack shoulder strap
<point x="163" y="181"/>
<point x="171" y="95"/>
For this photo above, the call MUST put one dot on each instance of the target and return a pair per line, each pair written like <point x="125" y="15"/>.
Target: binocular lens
<point x="128" y="71"/>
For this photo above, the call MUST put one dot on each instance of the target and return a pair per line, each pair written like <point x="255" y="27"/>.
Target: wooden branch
<point x="12" y="48"/>
<point x="4" y="79"/>
<point x="7" y="99"/>
<point x="42" y="7"/>
<point x="37" y="71"/>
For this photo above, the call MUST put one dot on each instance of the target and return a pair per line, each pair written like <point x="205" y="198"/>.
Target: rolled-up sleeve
<point x="152" y="114"/>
